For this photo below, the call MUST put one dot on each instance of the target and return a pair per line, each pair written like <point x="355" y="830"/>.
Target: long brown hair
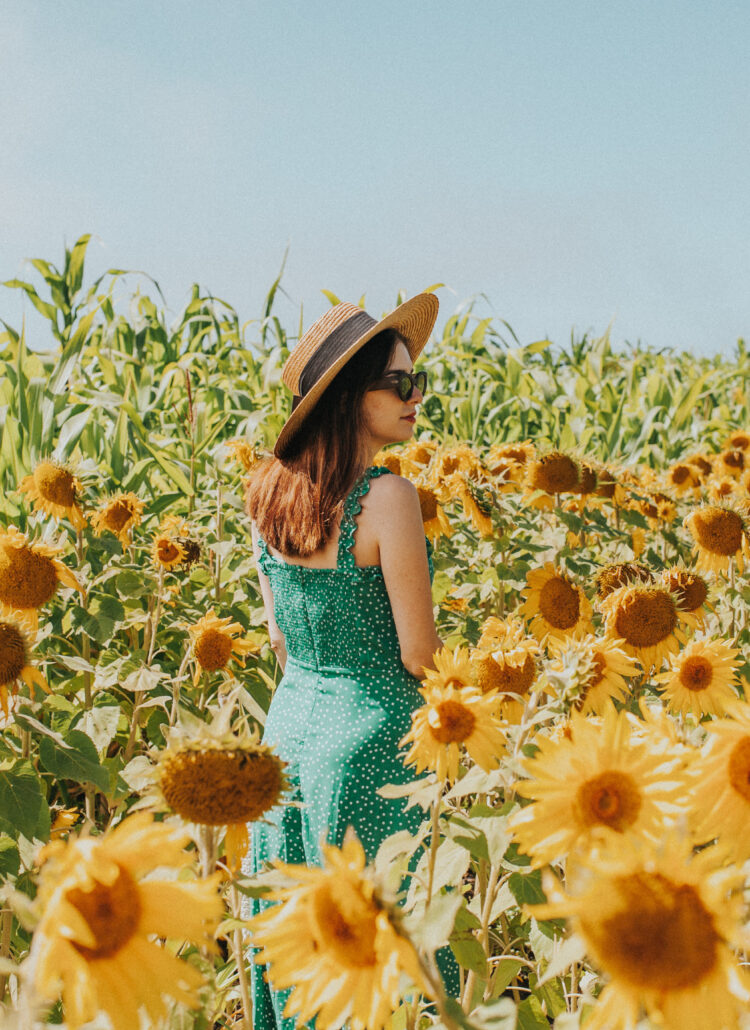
<point x="296" y="502"/>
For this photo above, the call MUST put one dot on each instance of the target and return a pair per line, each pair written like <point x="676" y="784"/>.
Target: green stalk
<point x="246" y="1001"/>
<point x="434" y="845"/>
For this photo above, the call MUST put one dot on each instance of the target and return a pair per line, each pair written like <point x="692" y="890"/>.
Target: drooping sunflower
<point x="689" y="588"/>
<point x="556" y="606"/>
<point x="435" y="520"/>
<point x="646" y="619"/>
<point x="458" y="485"/>
<point x="16" y="642"/>
<point x="661" y="922"/>
<point x="507" y="463"/>
<point x="721" y="799"/>
<point x="506" y="661"/>
<point x="617" y="574"/>
<point x="597" y="774"/>
<point x="594" y="670"/>
<point x="555" y="473"/>
<point x="30" y="574"/>
<point x="453" y="716"/>
<point x="100" y="913"/>
<point x="608" y="486"/>
<point x="217" y="777"/>
<point x="216" y="641"/>
<point x="700" y="678"/>
<point x="720" y="533"/>
<point x="334" y="938"/>
<point x="731" y="462"/>
<point x="54" y="489"/>
<point x="119" y="515"/>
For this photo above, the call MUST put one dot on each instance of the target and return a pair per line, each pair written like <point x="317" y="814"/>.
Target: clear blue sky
<point x="578" y="163"/>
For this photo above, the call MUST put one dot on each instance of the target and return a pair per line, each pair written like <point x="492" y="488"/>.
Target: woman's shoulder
<point x="393" y="498"/>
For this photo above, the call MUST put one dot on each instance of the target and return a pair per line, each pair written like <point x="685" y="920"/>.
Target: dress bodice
<point x="336" y="618"/>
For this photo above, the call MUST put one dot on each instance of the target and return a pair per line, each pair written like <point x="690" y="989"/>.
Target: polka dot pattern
<point x="336" y="717"/>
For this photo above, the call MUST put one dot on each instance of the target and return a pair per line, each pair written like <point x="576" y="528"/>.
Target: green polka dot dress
<point x="336" y="717"/>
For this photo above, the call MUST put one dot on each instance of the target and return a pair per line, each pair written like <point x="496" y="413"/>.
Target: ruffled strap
<point x="352" y="508"/>
<point x="265" y="560"/>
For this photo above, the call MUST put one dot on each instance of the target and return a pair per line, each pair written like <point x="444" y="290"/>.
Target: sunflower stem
<point x="432" y="979"/>
<point x="219" y="532"/>
<point x="88" y="700"/>
<point x="434" y="844"/>
<point x="488" y="889"/>
<point x="246" y="1002"/>
<point x="156" y="615"/>
<point x="6" y="925"/>
<point x="207" y="850"/>
<point x="176" y="680"/>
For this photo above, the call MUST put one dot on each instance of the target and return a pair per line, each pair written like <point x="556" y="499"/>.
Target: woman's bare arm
<point x="398" y="524"/>
<point x="278" y="644"/>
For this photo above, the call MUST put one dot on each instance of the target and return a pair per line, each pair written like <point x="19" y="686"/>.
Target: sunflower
<point x="617" y="574"/>
<point x="594" y="669"/>
<point x="700" y="678"/>
<point x="608" y="488"/>
<point x="100" y="913"/>
<point x="598" y="774"/>
<point x="721" y="800"/>
<point x="118" y="516"/>
<point x="220" y="778"/>
<point x="721" y="489"/>
<point x="646" y="619"/>
<point x="16" y="642"/>
<point x="215" y="642"/>
<point x="682" y="478"/>
<point x="555" y="605"/>
<point x="720" y="533"/>
<point x="657" y="508"/>
<point x="554" y="473"/>
<point x="435" y="520"/>
<point x="30" y="574"/>
<point x="637" y="541"/>
<point x="453" y="716"/>
<point x="390" y="459"/>
<point x="336" y="941"/>
<point x="507" y="463"/>
<point x="65" y="818"/>
<point x="419" y="452"/>
<point x="167" y="551"/>
<point x="690" y="590"/>
<point x="54" y="489"/>
<point x="459" y="458"/>
<point x="731" y="462"/>
<point x="506" y="661"/>
<point x="738" y="440"/>
<point x="245" y="453"/>
<point x="661" y="922"/>
<point x="704" y="463"/>
<point x="458" y="485"/>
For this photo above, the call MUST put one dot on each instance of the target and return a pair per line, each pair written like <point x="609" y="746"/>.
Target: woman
<point x="345" y="573"/>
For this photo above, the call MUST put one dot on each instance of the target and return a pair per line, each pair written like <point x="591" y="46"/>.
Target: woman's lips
<point x="409" y="418"/>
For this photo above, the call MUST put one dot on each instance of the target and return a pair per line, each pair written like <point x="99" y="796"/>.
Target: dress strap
<point x="352" y="508"/>
<point x="265" y="559"/>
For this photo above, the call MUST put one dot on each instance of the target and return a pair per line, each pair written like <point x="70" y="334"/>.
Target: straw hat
<point x="331" y="341"/>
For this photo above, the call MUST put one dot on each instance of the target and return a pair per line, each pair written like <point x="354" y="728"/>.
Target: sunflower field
<point x="580" y="753"/>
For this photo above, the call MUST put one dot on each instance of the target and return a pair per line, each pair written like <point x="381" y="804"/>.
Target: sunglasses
<point x="404" y="383"/>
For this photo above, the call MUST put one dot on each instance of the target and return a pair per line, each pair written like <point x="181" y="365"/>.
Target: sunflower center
<point x="427" y="504"/>
<point x="606" y="484"/>
<point x="660" y="938"/>
<point x="734" y="459"/>
<point x="559" y="603"/>
<point x="167" y="550"/>
<point x="610" y="799"/>
<point x="645" y="619"/>
<point x="613" y="576"/>
<point x="587" y="480"/>
<point x="218" y="787"/>
<point x="118" y="514"/>
<point x="451" y="722"/>
<point x="691" y="590"/>
<point x="718" y="530"/>
<point x="739" y="441"/>
<point x="680" y="473"/>
<point x="507" y="678"/>
<point x="701" y="463"/>
<point x="27" y="579"/>
<point x="739" y="768"/>
<point x="345" y="924"/>
<point x="555" y="474"/>
<point x="55" y="484"/>
<point x="696" y="673"/>
<point x="213" y="649"/>
<point x="111" y="911"/>
<point x="12" y="653"/>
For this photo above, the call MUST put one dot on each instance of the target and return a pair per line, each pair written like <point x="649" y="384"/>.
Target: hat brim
<point x="413" y="320"/>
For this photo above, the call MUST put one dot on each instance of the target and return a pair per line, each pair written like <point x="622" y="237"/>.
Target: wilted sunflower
<point x="661" y="923"/>
<point x="453" y="717"/>
<point x="434" y="519"/>
<point x="458" y="486"/>
<point x="16" y="642"/>
<point x="219" y="778"/>
<point x="54" y="489"/>
<point x="506" y="660"/>
<point x="216" y="641"/>
<point x="30" y="574"/>
<point x="598" y="774"/>
<point x="594" y="670"/>
<point x="95" y="943"/>
<point x="720" y="533"/>
<point x="617" y="574"/>
<point x="682" y="478"/>
<point x="689" y="588"/>
<point x="555" y="605"/>
<point x="118" y="516"/>
<point x="336" y="942"/>
<point x="700" y="678"/>
<point x="731" y="462"/>
<point x="721" y="799"/>
<point x="646" y="619"/>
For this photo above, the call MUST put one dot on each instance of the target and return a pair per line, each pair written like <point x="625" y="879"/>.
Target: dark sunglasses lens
<point x="420" y="381"/>
<point x="404" y="387"/>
